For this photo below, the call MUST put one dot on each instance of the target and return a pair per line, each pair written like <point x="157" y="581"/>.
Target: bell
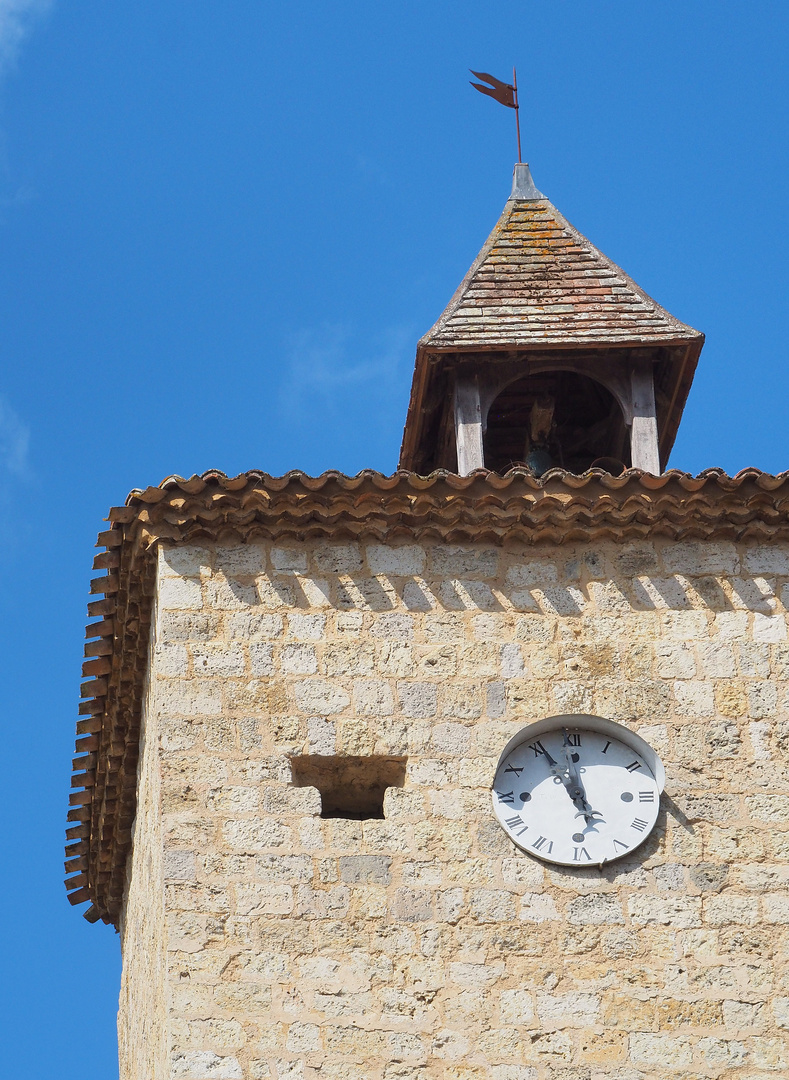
<point x="539" y="460"/>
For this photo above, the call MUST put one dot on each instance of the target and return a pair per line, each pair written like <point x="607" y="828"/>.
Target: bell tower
<point x="454" y="777"/>
<point x="548" y="355"/>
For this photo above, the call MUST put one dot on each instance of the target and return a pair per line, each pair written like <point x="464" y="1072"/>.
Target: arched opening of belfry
<point x="556" y="419"/>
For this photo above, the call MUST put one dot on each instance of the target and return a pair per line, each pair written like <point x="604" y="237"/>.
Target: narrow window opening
<point x="350" y="787"/>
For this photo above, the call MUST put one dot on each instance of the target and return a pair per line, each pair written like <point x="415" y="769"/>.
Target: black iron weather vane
<point x="504" y="93"/>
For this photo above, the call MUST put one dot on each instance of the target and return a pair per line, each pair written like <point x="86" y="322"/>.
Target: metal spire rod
<point x="517" y="113"/>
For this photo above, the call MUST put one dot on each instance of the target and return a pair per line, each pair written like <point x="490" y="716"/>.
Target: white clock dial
<point x="577" y="796"/>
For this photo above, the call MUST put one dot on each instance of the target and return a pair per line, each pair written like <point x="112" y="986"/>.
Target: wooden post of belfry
<point x="644" y="452"/>
<point x="468" y="426"/>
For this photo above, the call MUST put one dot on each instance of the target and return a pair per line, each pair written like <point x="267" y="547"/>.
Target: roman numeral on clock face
<point x="646" y="796"/>
<point x="540" y="843"/>
<point x="638" y="824"/>
<point x="537" y="748"/>
<point x="506" y="796"/>
<point x="573" y="739"/>
<point x="580" y="853"/>
<point x="633" y="766"/>
<point x="618" y="844"/>
<point x="514" y="769"/>
<point x="516" y="824"/>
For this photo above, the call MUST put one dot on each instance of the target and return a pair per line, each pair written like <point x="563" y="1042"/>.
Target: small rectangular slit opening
<point x="350" y="787"/>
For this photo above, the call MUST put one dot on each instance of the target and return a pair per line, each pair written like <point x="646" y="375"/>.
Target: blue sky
<point x="223" y="228"/>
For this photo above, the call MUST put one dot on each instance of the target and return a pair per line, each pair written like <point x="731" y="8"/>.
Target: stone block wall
<point x="143" y="1043"/>
<point x="424" y="944"/>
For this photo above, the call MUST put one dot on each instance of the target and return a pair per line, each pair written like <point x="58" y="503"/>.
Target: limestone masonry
<point x="426" y="944"/>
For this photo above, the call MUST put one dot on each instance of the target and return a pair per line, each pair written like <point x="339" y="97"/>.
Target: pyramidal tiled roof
<point x="538" y="281"/>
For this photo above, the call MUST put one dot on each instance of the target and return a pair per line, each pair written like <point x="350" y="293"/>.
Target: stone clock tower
<point x="474" y="771"/>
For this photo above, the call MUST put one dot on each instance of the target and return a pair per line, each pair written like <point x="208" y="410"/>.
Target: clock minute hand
<point x="568" y="774"/>
<point x="575" y="785"/>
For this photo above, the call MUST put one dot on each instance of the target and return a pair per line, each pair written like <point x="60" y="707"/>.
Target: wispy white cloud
<point x="16" y="19"/>
<point x="342" y="397"/>
<point x="327" y="367"/>
<point x="14" y="442"/>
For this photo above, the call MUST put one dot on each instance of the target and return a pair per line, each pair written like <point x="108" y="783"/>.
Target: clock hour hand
<point x="565" y="772"/>
<point x="559" y="771"/>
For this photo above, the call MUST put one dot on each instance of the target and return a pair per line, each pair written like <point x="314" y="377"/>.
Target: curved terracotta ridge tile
<point x="194" y="485"/>
<point x="476" y="511"/>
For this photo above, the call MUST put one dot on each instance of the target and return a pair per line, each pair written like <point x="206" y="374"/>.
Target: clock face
<point x="576" y="796"/>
